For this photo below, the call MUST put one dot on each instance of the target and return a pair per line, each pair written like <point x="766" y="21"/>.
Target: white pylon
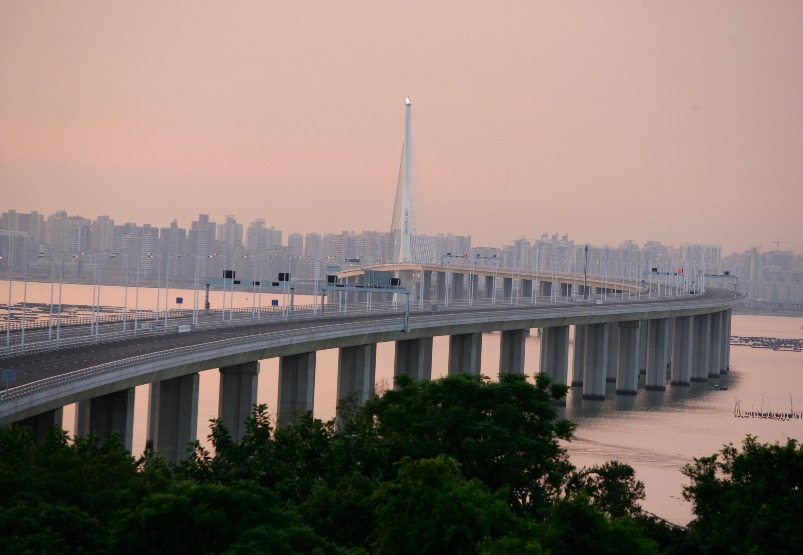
<point x="406" y="231"/>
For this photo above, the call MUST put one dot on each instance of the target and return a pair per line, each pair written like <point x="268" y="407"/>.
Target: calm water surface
<point x="655" y="432"/>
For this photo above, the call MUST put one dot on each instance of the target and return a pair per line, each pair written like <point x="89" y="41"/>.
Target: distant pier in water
<point x="773" y="343"/>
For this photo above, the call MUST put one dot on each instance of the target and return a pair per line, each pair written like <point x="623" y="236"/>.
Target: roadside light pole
<point x="585" y="274"/>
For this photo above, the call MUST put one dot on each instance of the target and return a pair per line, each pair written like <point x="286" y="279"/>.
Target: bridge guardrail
<point x="377" y="323"/>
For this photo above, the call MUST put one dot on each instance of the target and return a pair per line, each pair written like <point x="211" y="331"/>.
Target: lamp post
<point x="8" y="305"/>
<point x="25" y="298"/>
<point x="167" y="286"/>
<point x="585" y="274"/>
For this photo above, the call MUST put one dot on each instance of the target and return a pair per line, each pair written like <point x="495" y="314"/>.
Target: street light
<point x="585" y="274"/>
<point x="25" y="297"/>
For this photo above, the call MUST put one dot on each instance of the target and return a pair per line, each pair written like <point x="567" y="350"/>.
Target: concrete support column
<point x="658" y="351"/>
<point x="457" y="286"/>
<point x="464" y="353"/>
<point x="356" y="372"/>
<point x="555" y="353"/>
<point x="725" y="355"/>
<point x="644" y="346"/>
<point x="717" y="336"/>
<point x="682" y="350"/>
<point x="414" y="358"/>
<point x="173" y="416"/>
<point x="701" y="347"/>
<point x="440" y="286"/>
<point x="40" y="424"/>
<point x="426" y="288"/>
<point x="107" y="414"/>
<point x="237" y="396"/>
<point x="296" y="386"/>
<point x="507" y="288"/>
<point x="511" y="352"/>
<point x="628" y="360"/>
<point x="474" y="283"/>
<point x="579" y="363"/>
<point x="613" y="353"/>
<point x="527" y="288"/>
<point x="489" y="287"/>
<point x="596" y="361"/>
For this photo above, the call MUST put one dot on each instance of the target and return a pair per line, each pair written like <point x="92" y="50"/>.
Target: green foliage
<point x="749" y="501"/>
<point x="504" y="434"/>
<point x="430" y="508"/>
<point x="612" y="488"/>
<point x="575" y="525"/>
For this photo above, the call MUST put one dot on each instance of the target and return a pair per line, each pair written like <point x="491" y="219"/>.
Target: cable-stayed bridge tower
<point x="403" y="211"/>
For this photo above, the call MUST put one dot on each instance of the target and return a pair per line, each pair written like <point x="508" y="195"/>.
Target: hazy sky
<point x="677" y="121"/>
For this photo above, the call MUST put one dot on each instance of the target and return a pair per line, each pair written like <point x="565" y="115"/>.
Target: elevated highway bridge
<point x="631" y="331"/>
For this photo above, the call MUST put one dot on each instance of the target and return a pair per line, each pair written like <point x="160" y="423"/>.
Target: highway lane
<point x="38" y="366"/>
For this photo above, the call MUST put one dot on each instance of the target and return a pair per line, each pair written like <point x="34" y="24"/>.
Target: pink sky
<point x="674" y="121"/>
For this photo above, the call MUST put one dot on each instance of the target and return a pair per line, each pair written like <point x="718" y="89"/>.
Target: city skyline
<point x="229" y="227"/>
<point x="673" y="122"/>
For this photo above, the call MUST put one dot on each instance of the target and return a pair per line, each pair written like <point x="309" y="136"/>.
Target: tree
<point x="749" y="501"/>
<point x="431" y="508"/>
<point x="612" y="488"/>
<point x="575" y="525"/>
<point x="503" y="433"/>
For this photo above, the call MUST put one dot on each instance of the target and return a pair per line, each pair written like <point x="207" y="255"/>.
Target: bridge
<point x="620" y="331"/>
<point x="671" y="329"/>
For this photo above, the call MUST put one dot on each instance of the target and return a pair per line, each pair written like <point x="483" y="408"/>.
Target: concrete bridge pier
<point x="40" y="424"/>
<point x="507" y="288"/>
<point x="701" y="347"/>
<point x="596" y="361"/>
<point x="356" y="372"/>
<point x="579" y="362"/>
<point x="725" y="355"/>
<point x="238" y="396"/>
<point x="628" y="360"/>
<point x="426" y="287"/>
<point x="527" y="288"/>
<point x="511" y="351"/>
<point x="440" y="286"/>
<point x="555" y="353"/>
<point x="644" y="346"/>
<point x="296" y="386"/>
<point x="489" y="287"/>
<point x="106" y="415"/>
<point x="474" y="286"/>
<point x="457" y="285"/>
<point x="717" y="333"/>
<point x="682" y="350"/>
<point x="613" y="353"/>
<point x="414" y="358"/>
<point x="173" y="416"/>
<point x="658" y="337"/>
<point x="465" y="350"/>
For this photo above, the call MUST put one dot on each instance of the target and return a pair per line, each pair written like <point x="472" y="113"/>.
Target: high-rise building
<point x="230" y="233"/>
<point x="296" y="243"/>
<point x="102" y="234"/>
<point x="313" y="245"/>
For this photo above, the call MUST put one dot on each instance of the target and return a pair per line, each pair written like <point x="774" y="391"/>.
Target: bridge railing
<point x="116" y="328"/>
<point x="376" y="323"/>
<point x="289" y="334"/>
